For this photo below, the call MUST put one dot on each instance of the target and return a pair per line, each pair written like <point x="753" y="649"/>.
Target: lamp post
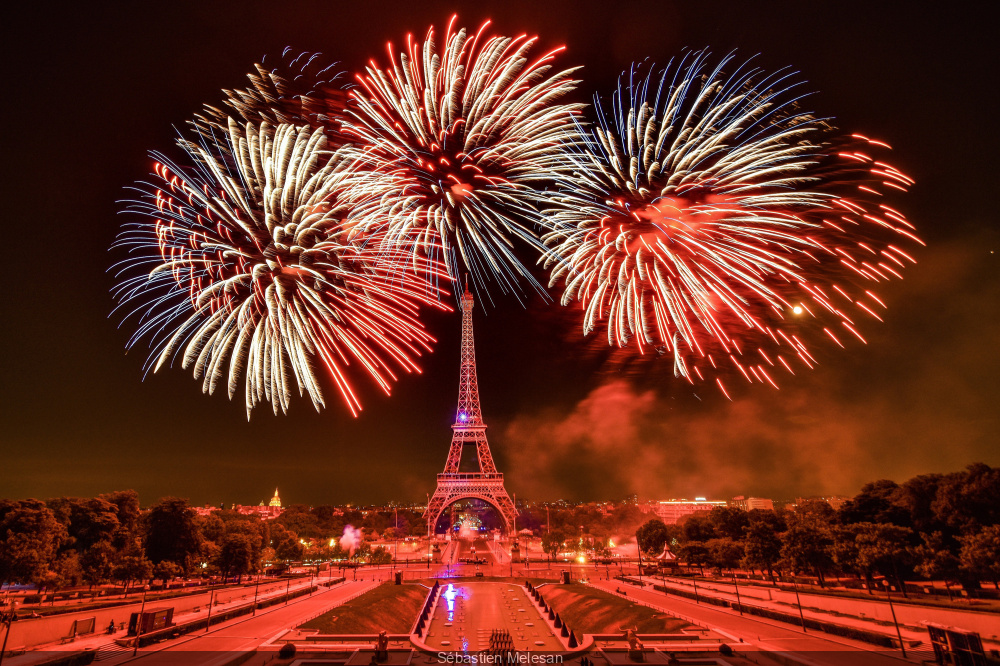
<point x="739" y="603"/>
<point x="798" y="601"/>
<point x="6" y="617"/>
<point x="638" y="550"/>
<point x="208" y="624"/>
<point x="256" y="587"/>
<point x="138" y="623"/>
<point x="899" y="634"/>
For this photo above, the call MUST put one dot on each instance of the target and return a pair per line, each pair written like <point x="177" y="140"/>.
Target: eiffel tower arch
<point x="485" y="483"/>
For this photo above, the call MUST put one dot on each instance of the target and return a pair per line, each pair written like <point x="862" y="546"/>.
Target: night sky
<point x="89" y="90"/>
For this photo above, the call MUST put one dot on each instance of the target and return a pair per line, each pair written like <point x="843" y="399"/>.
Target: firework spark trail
<point x="454" y="145"/>
<point x="296" y="89"/>
<point x="238" y="265"/>
<point x="708" y="218"/>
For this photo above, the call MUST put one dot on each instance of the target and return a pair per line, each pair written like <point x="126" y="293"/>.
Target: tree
<point x="970" y="500"/>
<point x="30" y="536"/>
<point x="883" y="549"/>
<point x="774" y="519"/>
<point x="724" y="553"/>
<point x="652" y="536"/>
<point x="377" y="521"/>
<point x="552" y="542"/>
<point x="819" y="511"/>
<point x="380" y="555"/>
<point x="64" y="572"/>
<point x="935" y="560"/>
<point x="729" y="522"/>
<point x="697" y="527"/>
<point x="131" y="567"/>
<point x="287" y="547"/>
<point x="917" y="496"/>
<point x="762" y="547"/>
<point x="252" y="528"/>
<point x="876" y="503"/>
<point x="126" y="503"/>
<point x="212" y="527"/>
<point x="172" y="533"/>
<point x="97" y="563"/>
<point x="695" y="553"/>
<point x="166" y="571"/>
<point x="236" y="555"/>
<point x="299" y="519"/>
<point x="980" y="554"/>
<point x="625" y="519"/>
<point x="87" y="521"/>
<point x="806" y="546"/>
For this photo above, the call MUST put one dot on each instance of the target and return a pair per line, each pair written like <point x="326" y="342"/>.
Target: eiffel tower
<point x="469" y="430"/>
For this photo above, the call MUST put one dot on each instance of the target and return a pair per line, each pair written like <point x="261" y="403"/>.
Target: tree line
<point x="943" y="527"/>
<point x="73" y="541"/>
<point x="934" y="526"/>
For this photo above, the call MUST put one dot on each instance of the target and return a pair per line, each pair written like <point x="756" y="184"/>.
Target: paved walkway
<point x="110" y="652"/>
<point x="245" y="635"/>
<point x="467" y="613"/>
<point x="761" y="634"/>
<point x="870" y="614"/>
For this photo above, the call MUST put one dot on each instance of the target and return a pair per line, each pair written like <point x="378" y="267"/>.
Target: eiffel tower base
<point x="455" y="486"/>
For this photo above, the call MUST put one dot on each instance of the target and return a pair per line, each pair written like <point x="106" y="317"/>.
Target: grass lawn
<point x="391" y="608"/>
<point x="590" y="611"/>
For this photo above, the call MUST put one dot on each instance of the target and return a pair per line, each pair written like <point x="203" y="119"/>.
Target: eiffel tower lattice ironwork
<point x="469" y="430"/>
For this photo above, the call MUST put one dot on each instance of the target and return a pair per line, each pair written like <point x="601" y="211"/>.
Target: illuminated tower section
<point x="484" y="483"/>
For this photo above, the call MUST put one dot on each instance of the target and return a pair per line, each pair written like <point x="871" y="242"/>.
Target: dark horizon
<point x="94" y="88"/>
<point x="290" y="500"/>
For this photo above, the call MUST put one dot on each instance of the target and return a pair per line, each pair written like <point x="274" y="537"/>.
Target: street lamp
<point x="138" y="623"/>
<point x="6" y="617"/>
<point x="638" y="550"/>
<point x="899" y="634"/>
<point x="802" y="617"/>
<point x="255" y="589"/>
<point x="739" y="603"/>
<point x="208" y="624"/>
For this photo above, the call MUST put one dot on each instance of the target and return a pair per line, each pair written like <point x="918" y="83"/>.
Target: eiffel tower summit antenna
<point x="486" y="484"/>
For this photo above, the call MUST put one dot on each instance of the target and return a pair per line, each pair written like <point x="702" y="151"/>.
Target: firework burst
<point x="455" y="143"/>
<point x="237" y="266"/>
<point x="710" y="219"/>
<point x="294" y="90"/>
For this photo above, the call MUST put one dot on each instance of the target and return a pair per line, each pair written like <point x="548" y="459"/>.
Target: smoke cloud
<point x="896" y="408"/>
<point x="351" y="539"/>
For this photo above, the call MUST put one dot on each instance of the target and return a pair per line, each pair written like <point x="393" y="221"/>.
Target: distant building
<point x="751" y="503"/>
<point x="671" y="511"/>
<point x="271" y="510"/>
<point x="835" y="501"/>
